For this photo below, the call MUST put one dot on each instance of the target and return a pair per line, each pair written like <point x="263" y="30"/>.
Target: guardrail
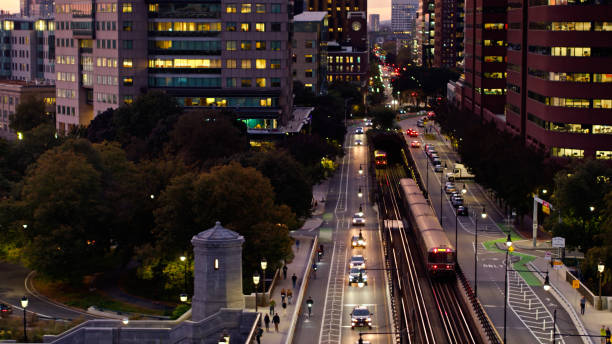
<point x="483" y="317"/>
<point x="300" y="296"/>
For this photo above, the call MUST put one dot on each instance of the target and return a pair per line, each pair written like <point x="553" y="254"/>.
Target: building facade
<point x="37" y="8"/>
<point x="448" y="34"/>
<point x="559" y="76"/>
<point x="485" y="57"/>
<point x="12" y="92"/>
<point x="206" y="54"/>
<point x="339" y="10"/>
<point x="374" y="23"/>
<point x="349" y="63"/>
<point x="425" y="32"/>
<point x="310" y="50"/>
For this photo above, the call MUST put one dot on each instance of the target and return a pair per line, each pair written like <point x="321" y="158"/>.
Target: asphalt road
<point x="333" y="298"/>
<point x="526" y="329"/>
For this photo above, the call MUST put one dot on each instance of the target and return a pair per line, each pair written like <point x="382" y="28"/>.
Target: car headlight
<point x="369" y="320"/>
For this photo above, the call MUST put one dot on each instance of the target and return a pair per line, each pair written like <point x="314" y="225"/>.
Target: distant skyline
<point x="382" y="7"/>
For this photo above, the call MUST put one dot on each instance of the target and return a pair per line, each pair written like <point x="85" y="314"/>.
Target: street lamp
<point x="463" y="192"/>
<point x="256" y="282"/>
<point x="360" y="169"/>
<point x="225" y="338"/>
<point x="509" y="248"/>
<point x="592" y="208"/>
<point x="600" y="268"/>
<point x="125" y="321"/>
<point x="264" y="266"/>
<point x="24" y="305"/>
<point x="184" y="260"/>
<point x="483" y="215"/>
<point x="183" y="297"/>
<point x="359" y="193"/>
<point x="441" y="184"/>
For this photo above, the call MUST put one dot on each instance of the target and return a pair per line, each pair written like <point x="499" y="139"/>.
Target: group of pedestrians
<point x="604" y="332"/>
<point x="286" y="298"/>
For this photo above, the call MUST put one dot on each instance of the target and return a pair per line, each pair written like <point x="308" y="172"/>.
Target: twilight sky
<point x="382" y="7"/>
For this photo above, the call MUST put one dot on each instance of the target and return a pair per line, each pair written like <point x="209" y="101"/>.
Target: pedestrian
<point x="294" y="279"/>
<point x="276" y="321"/>
<point x="608" y="334"/>
<point x="321" y="249"/>
<point x="284" y="308"/>
<point x="297" y="244"/>
<point x="289" y="295"/>
<point x="602" y="333"/>
<point x="272" y="304"/>
<point x="283" y="294"/>
<point x="258" y="334"/>
<point x="582" y="304"/>
<point x="267" y="322"/>
<point x="284" y="272"/>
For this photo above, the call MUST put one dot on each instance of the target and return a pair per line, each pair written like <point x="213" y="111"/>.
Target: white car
<point x="357" y="262"/>
<point x="358" y="241"/>
<point x="354" y="275"/>
<point x="358" y="142"/>
<point x="361" y="317"/>
<point x="359" y="219"/>
<point x="359" y="130"/>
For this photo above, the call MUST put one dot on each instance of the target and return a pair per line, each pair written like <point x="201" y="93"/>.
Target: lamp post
<point x="264" y="266"/>
<point x="509" y="248"/>
<point x="359" y="193"/>
<point x="600" y="268"/>
<point x="463" y="192"/>
<point x="184" y="260"/>
<point x="441" y="192"/>
<point x="360" y="169"/>
<point x="24" y="305"/>
<point x="256" y="282"/>
<point x="484" y="216"/>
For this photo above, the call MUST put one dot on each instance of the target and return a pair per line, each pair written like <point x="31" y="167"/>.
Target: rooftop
<point x="217" y="232"/>
<point x="310" y="16"/>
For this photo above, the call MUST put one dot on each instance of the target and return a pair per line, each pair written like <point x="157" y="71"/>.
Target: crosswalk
<point x="530" y="309"/>
<point x="332" y="316"/>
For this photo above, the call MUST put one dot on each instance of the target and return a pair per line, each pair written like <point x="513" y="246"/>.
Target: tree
<point x="310" y="150"/>
<point x="29" y="114"/>
<point x="139" y="119"/>
<point x="202" y="138"/>
<point x="102" y="127"/>
<point x="383" y="118"/>
<point x="303" y="96"/>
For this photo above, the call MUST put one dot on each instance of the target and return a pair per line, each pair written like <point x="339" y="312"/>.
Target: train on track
<point x="436" y="249"/>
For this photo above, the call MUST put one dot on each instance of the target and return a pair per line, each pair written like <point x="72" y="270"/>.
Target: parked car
<point x="462" y="210"/>
<point x="5" y="309"/>
<point x="415" y="144"/>
<point x="457" y="201"/>
<point x="450" y="188"/>
<point x="438" y="168"/>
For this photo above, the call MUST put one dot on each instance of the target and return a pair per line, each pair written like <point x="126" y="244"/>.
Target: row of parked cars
<point x="456" y="198"/>
<point x="432" y="154"/>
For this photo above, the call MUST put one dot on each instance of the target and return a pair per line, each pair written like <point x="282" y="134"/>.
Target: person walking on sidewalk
<point x="283" y="295"/>
<point x="602" y="333"/>
<point x="276" y="321"/>
<point x="284" y="272"/>
<point x="608" y="334"/>
<point x="294" y="279"/>
<point x="267" y="322"/>
<point x="297" y="244"/>
<point x="582" y="304"/>
<point x="258" y="334"/>
<point x="272" y="304"/>
<point x="284" y="305"/>
<point x="289" y="295"/>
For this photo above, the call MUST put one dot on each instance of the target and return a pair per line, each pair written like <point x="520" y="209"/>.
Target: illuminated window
<point x="260" y="45"/>
<point x="602" y="77"/>
<point x="308" y="73"/>
<point x="128" y="81"/>
<point x="128" y="99"/>
<point x="308" y="58"/>
<point x="126" y="7"/>
<point x="245" y="45"/>
<point x="265" y="102"/>
<point x="275" y="64"/>
<point x="230" y="8"/>
<point x="260" y="63"/>
<point x="494" y="59"/>
<point x="602" y="26"/>
<point x="260" y="8"/>
<point x="607" y="155"/>
<point x="245" y="27"/>
<point x="230" y="45"/>
<point x="127" y="25"/>
<point x="260" y="27"/>
<point x="216" y="265"/>
<point x="231" y="63"/>
<point x="245" y="64"/>
<point x="602" y="103"/>
<point x="494" y="26"/>
<point x="153" y="7"/>
<point x="245" y="8"/>
<point x="127" y="63"/>
<point x="260" y="82"/>
<point x="245" y="82"/>
<point x="567" y="152"/>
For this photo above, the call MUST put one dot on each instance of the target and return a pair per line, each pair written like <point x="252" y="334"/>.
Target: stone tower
<point x="217" y="271"/>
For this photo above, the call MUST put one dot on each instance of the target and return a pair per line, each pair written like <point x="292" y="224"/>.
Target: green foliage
<point x="383" y="118"/>
<point x="309" y="150"/>
<point x="29" y="114"/>
<point x="180" y="310"/>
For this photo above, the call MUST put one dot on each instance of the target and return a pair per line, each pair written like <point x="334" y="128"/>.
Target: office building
<point x="12" y="92"/>
<point x="205" y="54"/>
<point x="37" y="8"/>
<point x="374" y="23"/>
<point x="448" y="34"/>
<point x="28" y="49"/>
<point x="310" y="50"/>
<point x="559" y="76"/>
<point x="403" y="16"/>
<point x="339" y="10"/>
<point x="425" y="32"/>
<point x="485" y="57"/>
<point x="349" y="63"/>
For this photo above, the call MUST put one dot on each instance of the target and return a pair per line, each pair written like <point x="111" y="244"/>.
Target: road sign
<point x="548" y="256"/>
<point x="545" y="208"/>
<point x="558" y="242"/>
<point x="575" y="284"/>
<point x="557" y="264"/>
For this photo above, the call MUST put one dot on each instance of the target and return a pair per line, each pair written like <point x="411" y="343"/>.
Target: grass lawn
<point x="82" y="297"/>
<point x="11" y="327"/>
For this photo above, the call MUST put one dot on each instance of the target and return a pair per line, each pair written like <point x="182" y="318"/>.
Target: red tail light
<point x="448" y="267"/>
<point x="435" y="267"/>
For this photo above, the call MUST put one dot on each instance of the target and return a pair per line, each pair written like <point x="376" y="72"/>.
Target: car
<point x="450" y="188"/>
<point x="358" y="142"/>
<point x="431" y="151"/>
<point x="457" y="201"/>
<point x="438" y="168"/>
<point x="358" y="241"/>
<point x="358" y="276"/>
<point x="415" y="144"/>
<point x="359" y="130"/>
<point x="436" y="161"/>
<point x="361" y="317"/>
<point x="357" y="262"/>
<point x="420" y="124"/>
<point x="414" y="133"/>
<point x="428" y="146"/>
<point x="5" y="309"/>
<point x="433" y="155"/>
<point x="368" y="123"/>
<point x="462" y="210"/>
<point x="409" y="131"/>
<point x="359" y="219"/>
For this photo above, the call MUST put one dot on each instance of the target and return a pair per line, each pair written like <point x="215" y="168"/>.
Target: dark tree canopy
<point x="29" y="114"/>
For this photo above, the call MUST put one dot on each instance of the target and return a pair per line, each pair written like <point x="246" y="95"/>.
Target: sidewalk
<point x="319" y="197"/>
<point x="297" y="266"/>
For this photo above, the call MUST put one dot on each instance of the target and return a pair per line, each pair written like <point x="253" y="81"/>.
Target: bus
<point x="380" y="158"/>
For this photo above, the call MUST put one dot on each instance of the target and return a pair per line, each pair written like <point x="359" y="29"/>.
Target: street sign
<point x="557" y="264"/>
<point x="548" y="256"/>
<point x="545" y="207"/>
<point x="575" y="284"/>
<point x="558" y="242"/>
